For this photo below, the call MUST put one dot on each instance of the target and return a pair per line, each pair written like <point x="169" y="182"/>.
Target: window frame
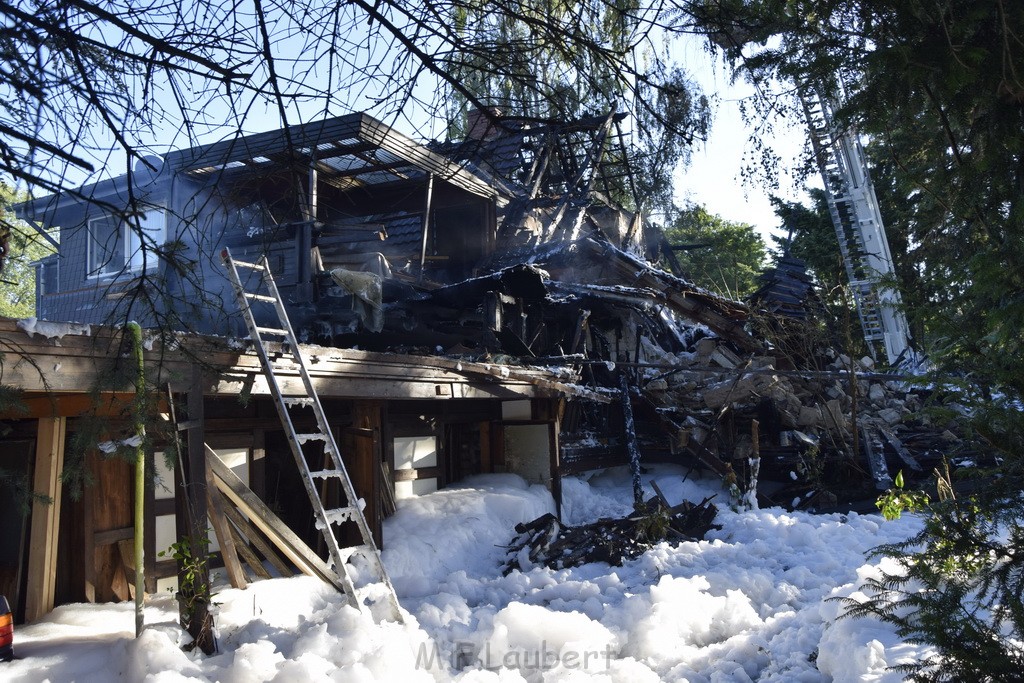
<point x="127" y="256"/>
<point x="103" y="265"/>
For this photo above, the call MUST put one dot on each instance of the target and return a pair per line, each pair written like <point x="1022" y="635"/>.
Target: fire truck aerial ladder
<point x="859" y="229"/>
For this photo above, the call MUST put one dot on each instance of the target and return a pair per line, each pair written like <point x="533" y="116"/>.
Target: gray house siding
<point x="359" y="199"/>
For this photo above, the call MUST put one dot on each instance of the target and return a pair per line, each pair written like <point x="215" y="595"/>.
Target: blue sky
<point x="713" y="177"/>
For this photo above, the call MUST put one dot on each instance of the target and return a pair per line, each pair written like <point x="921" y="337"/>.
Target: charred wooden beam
<point x="725" y="317"/>
<point x="547" y="542"/>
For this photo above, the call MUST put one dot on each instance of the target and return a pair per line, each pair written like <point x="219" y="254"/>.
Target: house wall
<point x="256" y="216"/>
<point x="94" y="299"/>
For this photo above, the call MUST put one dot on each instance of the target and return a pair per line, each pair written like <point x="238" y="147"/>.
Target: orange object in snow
<point x="6" y="631"/>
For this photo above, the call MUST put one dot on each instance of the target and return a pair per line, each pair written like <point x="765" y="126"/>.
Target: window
<point x="48" y="275"/>
<point x="416" y="466"/>
<point x="115" y="247"/>
<point x="106" y="246"/>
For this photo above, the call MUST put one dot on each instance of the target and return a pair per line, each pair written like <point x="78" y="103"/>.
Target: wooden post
<point x="201" y="623"/>
<point x="629" y="435"/>
<point x="755" y="463"/>
<point x="364" y="465"/>
<point x="139" y="419"/>
<point x="258" y="464"/>
<point x="195" y="470"/>
<point x="558" y="406"/>
<point x="304" y="237"/>
<point x="42" y="559"/>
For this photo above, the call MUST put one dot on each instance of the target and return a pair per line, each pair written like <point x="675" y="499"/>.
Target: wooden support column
<point x="42" y="559"/>
<point x="258" y="464"/>
<point x="201" y="623"/>
<point x="304" y="236"/>
<point x="365" y="466"/>
<point x="195" y="470"/>
<point x="551" y="410"/>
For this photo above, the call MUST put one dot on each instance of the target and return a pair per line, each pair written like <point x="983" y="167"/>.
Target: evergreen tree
<point x="810" y="236"/>
<point x="939" y="88"/>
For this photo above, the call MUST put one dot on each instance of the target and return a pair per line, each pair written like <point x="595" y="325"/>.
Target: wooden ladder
<point x="333" y="467"/>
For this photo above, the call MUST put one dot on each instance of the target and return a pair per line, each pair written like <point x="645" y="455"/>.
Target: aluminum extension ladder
<point x="334" y="467"/>
<point x="859" y="228"/>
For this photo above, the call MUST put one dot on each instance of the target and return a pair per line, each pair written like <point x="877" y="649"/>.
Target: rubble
<point x="842" y="432"/>
<point x="547" y="542"/>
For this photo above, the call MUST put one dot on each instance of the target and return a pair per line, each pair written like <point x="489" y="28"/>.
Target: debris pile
<point x="545" y="541"/>
<point x="843" y="428"/>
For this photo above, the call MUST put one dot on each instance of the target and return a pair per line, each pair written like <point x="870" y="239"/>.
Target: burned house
<point x="485" y="305"/>
<point x="376" y="242"/>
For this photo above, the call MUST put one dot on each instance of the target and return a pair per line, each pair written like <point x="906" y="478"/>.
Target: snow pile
<point x="49" y="330"/>
<point x="753" y="602"/>
<point x="280" y="630"/>
<point x="458" y="529"/>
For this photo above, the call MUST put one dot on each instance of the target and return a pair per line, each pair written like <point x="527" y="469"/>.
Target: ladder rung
<point x="311" y="436"/>
<point x="250" y="266"/>
<point x="351" y="550"/>
<point x="327" y="474"/>
<point x="259" y="297"/>
<point x="272" y="330"/>
<point x="339" y="515"/>
<point x="302" y="402"/>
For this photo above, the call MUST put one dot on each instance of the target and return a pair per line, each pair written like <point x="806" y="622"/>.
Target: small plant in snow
<point x="193" y="588"/>
<point x="896" y="500"/>
<point x="653" y="526"/>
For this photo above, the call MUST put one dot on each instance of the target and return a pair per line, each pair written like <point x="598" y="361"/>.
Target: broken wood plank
<point x="126" y="549"/>
<point x="706" y="458"/>
<point x="241" y="524"/>
<point x="270" y="524"/>
<point x="661" y="496"/>
<point x="113" y="536"/>
<point x="245" y="552"/>
<point x="559" y="546"/>
<point x="876" y="459"/>
<point x="901" y="450"/>
<point x="389" y="503"/>
<point x="222" y="530"/>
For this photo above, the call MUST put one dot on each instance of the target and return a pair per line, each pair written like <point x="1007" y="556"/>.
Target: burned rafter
<point x="725" y="317"/>
<point x="355" y="136"/>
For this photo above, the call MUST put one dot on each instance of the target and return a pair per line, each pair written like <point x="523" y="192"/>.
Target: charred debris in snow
<point x="566" y="280"/>
<point x="547" y="542"/>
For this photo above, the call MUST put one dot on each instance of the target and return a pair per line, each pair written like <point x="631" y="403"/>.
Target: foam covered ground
<point x="754" y="601"/>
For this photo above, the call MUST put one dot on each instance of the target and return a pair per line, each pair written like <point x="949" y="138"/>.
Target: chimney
<point x="479" y="126"/>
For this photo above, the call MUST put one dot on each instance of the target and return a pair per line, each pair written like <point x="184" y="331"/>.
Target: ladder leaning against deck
<point x="333" y="466"/>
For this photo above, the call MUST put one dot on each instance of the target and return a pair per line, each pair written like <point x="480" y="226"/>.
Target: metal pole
<point x="138" y="416"/>
<point x="426" y="223"/>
